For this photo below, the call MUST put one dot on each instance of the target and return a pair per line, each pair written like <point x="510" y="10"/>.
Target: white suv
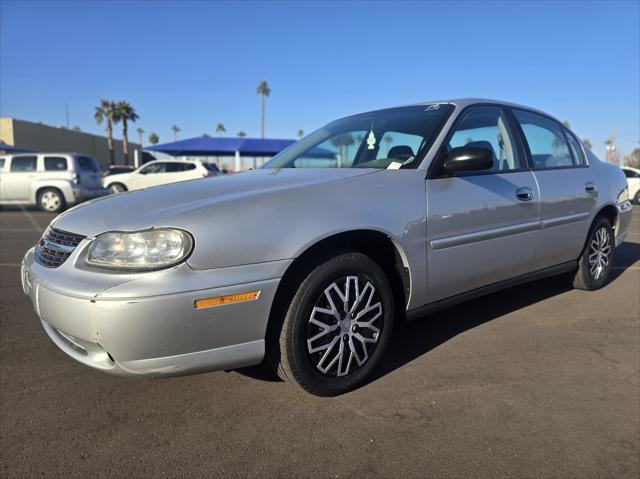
<point x="52" y="181"/>
<point x="633" y="180"/>
<point x="159" y="172"/>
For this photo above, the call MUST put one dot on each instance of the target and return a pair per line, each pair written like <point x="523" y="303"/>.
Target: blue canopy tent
<point x="238" y="147"/>
<point x="13" y="149"/>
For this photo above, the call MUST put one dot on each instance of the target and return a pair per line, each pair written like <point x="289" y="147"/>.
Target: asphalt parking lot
<point x="537" y="380"/>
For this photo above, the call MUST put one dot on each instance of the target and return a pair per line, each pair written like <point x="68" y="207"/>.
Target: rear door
<point x="482" y="227"/>
<point x="17" y="181"/>
<point x="88" y="172"/>
<point x="567" y="190"/>
<point x="149" y="175"/>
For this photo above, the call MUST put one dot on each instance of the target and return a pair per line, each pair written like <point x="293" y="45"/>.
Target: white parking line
<point x="9" y="265"/>
<point x="32" y="220"/>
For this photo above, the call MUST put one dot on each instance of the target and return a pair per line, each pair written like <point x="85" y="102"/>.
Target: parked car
<point x="52" y="181"/>
<point x="633" y="180"/>
<point x="118" y="170"/>
<point x="159" y="172"/>
<point x="309" y="267"/>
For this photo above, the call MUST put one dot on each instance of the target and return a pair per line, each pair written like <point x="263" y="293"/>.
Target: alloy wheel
<point x="599" y="253"/>
<point x="344" y="326"/>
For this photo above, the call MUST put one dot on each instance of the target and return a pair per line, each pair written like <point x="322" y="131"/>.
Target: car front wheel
<point x="337" y="326"/>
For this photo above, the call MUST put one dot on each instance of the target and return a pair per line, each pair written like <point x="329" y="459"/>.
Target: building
<point x="43" y="138"/>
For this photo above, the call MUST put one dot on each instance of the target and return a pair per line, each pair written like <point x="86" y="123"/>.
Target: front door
<point x="482" y="227"/>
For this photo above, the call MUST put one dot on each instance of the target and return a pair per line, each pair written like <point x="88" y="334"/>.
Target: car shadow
<point x="416" y="338"/>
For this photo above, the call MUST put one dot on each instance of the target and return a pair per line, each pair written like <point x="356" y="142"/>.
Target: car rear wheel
<point x="337" y="326"/>
<point x="595" y="263"/>
<point x="51" y="200"/>
<point x="636" y="199"/>
<point x="116" y="188"/>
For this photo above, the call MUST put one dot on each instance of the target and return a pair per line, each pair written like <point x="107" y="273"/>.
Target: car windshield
<point x="395" y="138"/>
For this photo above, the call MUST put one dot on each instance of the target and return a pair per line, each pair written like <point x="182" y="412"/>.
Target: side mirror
<point x="468" y="158"/>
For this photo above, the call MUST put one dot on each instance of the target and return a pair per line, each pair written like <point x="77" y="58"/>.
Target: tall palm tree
<point x="106" y="112"/>
<point x="126" y="113"/>
<point x="242" y="134"/>
<point x="264" y="91"/>
<point x="300" y="133"/>
<point x="175" y="131"/>
<point x="154" y="139"/>
<point x="140" y="132"/>
<point x="220" y="129"/>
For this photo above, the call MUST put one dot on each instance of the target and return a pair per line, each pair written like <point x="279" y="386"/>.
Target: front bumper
<point x="115" y="329"/>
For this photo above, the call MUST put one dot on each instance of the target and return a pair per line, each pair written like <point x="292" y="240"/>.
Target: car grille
<point x="56" y="246"/>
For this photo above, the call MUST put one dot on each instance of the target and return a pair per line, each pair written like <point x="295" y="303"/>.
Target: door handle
<point x="590" y="187"/>
<point x="524" y="194"/>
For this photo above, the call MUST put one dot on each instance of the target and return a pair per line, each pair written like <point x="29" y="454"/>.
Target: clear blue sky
<point x="195" y="64"/>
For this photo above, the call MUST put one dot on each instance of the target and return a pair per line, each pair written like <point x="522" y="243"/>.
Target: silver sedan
<point x="307" y="263"/>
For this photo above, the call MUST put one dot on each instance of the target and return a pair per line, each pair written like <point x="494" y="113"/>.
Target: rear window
<point x="86" y="163"/>
<point x="55" y="163"/>
<point x="24" y="163"/>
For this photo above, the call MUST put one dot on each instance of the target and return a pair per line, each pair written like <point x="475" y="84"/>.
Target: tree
<point x="175" y="131"/>
<point x="300" y="133"/>
<point x="140" y="132"/>
<point x="633" y="159"/>
<point x="106" y="112"/>
<point x="154" y="139"/>
<point x="76" y="128"/>
<point x="264" y="91"/>
<point x="220" y="129"/>
<point x="587" y="142"/>
<point x="241" y="134"/>
<point x="126" y="113"/>
<point x="566" y="124"/>
<point x="206" y="135"/>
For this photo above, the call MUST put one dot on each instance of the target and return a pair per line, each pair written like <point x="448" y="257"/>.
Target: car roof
<point x="463" y="103"/>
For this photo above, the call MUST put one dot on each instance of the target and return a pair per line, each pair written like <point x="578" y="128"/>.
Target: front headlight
<point x="140" y="250"/>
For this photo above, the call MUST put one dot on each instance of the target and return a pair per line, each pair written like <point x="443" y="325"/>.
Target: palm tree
<point x="587" y="142"/>
<point x="263" y="90"/>
<point x="154" y="139"/>
<point x="241" y="134"/>
<point x="140" y="132"/>
<point x="206" y="135"/>
<point x="175" y="131"/>
<point x="220" y="129"/>
<point x="300" y="133"/>
<point x="106" y="111"/>
<point x="126" y="113"/>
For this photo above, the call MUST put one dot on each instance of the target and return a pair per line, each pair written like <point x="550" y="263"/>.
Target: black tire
<point x="51" y="200"/>
<point x="589" y="276"/>
<point x="636" y="199"/>
<point x="298" y="365"/>
<point x="115" y="188"/>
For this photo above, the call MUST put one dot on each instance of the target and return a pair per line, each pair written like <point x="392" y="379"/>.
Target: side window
<point x="189" y="166"/>
<point x="176" y="167"/>
<point x="547" y="143"/>
<point x="1" y="163"/>
<point x="576" y="151"/>
<point x="154" y="168"/>
<point x="55" y="163"/>
<point x="486" y="127"/>
<point x="24" y="163"/>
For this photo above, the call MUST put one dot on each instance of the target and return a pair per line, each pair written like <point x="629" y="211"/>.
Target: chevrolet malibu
<point x="307" y="262"/>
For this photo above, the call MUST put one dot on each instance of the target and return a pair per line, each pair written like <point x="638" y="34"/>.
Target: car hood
<point x="170" y="205"/>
